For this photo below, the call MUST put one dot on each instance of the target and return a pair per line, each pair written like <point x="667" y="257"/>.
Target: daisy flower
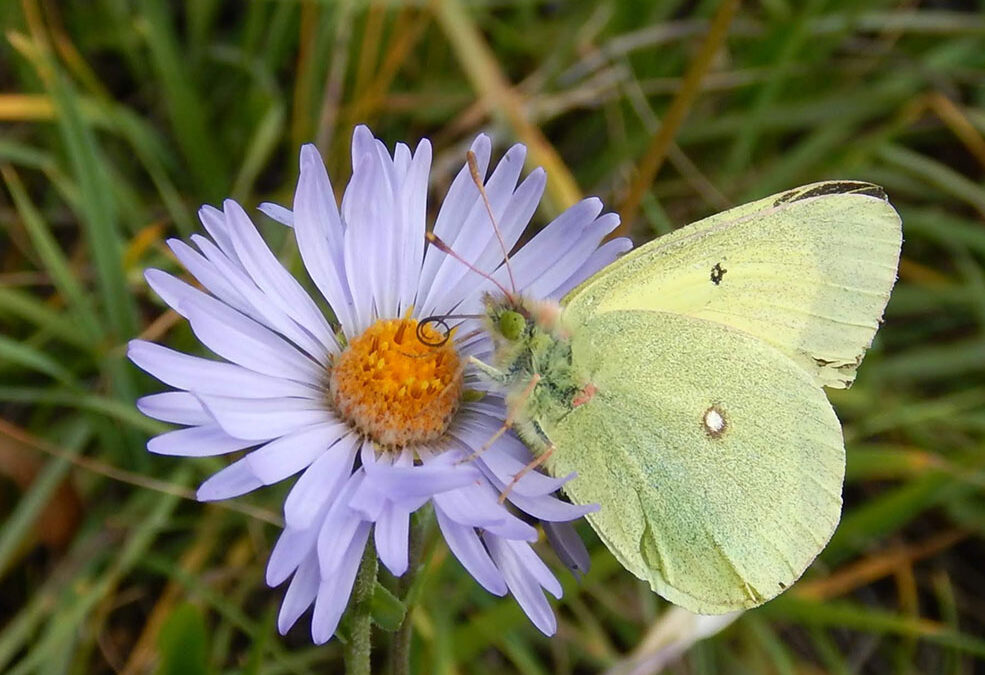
<point x="379" y="412"/>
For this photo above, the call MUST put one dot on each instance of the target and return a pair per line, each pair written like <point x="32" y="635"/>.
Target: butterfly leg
<point x="534" y="463"/>
<point x="511" y="412"/>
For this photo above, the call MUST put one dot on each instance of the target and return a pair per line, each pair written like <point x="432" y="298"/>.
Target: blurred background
<point x="119" y="118"/>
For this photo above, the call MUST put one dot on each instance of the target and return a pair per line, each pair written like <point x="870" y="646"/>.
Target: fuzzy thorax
<point x="531" y="362"/>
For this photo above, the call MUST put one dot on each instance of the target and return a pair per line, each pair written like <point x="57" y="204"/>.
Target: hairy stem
<point x="400" y="645"/>
<point x="356" y="651"/>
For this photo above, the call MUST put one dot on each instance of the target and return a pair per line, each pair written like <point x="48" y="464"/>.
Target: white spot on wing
<point x="714" y="421"/>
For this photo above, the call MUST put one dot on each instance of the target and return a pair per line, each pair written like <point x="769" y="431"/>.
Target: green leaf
<point x="386" y="609"/>
<point x="182" y="643"/>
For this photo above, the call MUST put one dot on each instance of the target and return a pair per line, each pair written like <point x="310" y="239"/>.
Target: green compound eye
<point x="511" y="325"/>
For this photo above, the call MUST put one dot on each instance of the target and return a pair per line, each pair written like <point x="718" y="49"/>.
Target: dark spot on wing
<point x="843" y="187"/>
<point x="717" y="272"/>
<point x="782" y="585"/>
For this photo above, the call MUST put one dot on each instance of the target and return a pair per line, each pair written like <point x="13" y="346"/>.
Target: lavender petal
<point x="282" y="215"/>
<point x="569" y="547"/>
<point x="320" y="483"/>
<point x="465" y="544"/>
<point x="233" y="481"/>
<point x="391" y="534"/>
<point x="300" y="594"/>
<point x="176" y="407"/>
<point x="334" y="592"/>
<point x="293" y="452"/>
<point x="319" y="231"/>
<point x="242" y="340"/>
<point x="205" y="376"/>
<point x="262" y="419"/>
<point x="206" y="440"/>
<point x="523" y="585"/>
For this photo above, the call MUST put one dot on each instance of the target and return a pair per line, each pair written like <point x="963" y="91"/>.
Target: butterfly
<point x="684" y="385"/>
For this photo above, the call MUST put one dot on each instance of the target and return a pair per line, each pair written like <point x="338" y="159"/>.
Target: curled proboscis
<point x="423" y="338"/>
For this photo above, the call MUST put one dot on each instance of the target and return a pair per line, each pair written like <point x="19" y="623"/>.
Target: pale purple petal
<point x="201" y="441"/>
<point x="279" y="285"/>
<point x="565" y="266"/>
<point x="291" y="453"/>
<point x="367" y="499"/>
<point x="601" y="258"/>
<point x="511" y="223"/>
<point x="320" y="483"/>
<point x="363" y="143"/>
<point x="215" y="224"/>
<point x="204" y="376"/>
<point x="502" y="464"/>
<point x="391" y="535"/>
<point x="293" y="547"/>
<point x="413" y="203"/>
<point x="547" y="507"/>
<point x="171" y="290"/>
<point x="338" y="527"/>
<point x="242" y="340"/>
<point x="334" y="592"/>
<point x="569" y="547"/>
<point x="467" y="547"/>
<point x="300" y="594"/>
<point x="388" y="228"/>
<point x="477" y="238"/>
<point x="263" y="419"/>
<point x="454" y="210"/>
<point x="361" y="213"/>
<point x="555" y="240"/>
<point x="281" y="214"/>
<point x="205" y="271"/>
<point x="532" y="565"/>
<point x="511" y="527"/>
<point x="320" y="234"/>
<point x="235" y="480"/>
<point x="471" y="506"/>
<point x="403" y="483"/>
<point x="177" y="407"/>
<point x="524" y="586"/>
<point x="263" y="308"/>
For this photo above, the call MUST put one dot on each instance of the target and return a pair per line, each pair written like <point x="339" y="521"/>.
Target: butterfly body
<point x="530" y="341"/>
<point x="683" y="385"/>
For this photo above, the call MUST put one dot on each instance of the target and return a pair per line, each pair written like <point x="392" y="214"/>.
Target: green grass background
<point x="119" y="118"/>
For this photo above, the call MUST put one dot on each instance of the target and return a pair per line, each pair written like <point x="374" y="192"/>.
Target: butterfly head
<point x="511" y="324"/>
<point x="514" y="319"/>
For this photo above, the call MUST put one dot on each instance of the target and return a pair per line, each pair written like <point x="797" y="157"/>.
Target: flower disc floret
<point x="397" y="384"/>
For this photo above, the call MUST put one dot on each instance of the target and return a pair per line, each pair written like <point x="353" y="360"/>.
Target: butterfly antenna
<point x="477" y="179"/>
<point x="438" y="243"/>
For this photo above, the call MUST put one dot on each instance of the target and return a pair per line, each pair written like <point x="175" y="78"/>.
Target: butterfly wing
<point x="718" y="461"/>
<point x="808" y="270"/>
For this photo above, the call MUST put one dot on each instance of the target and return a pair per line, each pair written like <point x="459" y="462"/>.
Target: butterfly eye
<point x="511" y="325"/>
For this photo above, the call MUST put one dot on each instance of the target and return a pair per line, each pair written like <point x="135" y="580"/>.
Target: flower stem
<point x="357" y="648"/>
<point x="400" y="645"/>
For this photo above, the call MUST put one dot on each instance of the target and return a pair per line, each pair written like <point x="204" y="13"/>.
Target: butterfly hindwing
<point x="718" y="463"/>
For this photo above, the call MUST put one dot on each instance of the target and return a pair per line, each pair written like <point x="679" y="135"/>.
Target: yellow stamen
<point x="395" y="388"/>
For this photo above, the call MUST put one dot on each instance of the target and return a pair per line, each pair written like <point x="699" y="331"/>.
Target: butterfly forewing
<point x="808" y="270"/>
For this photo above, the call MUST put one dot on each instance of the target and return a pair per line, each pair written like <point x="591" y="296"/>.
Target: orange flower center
<point x="395" y="386"/>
